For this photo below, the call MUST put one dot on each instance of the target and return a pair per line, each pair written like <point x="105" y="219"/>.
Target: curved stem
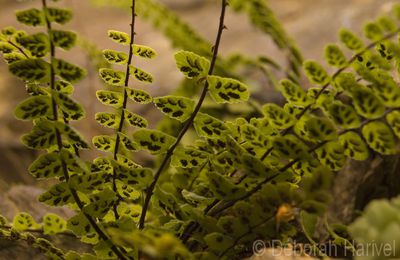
<point x="125" y="101"/>
<point x="74" y="193"/>
<point x="189" y="122"/>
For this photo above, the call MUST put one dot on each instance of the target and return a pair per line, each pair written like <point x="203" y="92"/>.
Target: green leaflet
<point x="59" y="15"/>
<point x="319" y="129"/>
<point x="64" y="87"/>
<point x="53" y="224"/>
<point x="34" y="89"/>
<point x="223" y="187"/>
<point x="232" y="226"/>
<point x="393" y="119"/>
<point x="31" y="17"/>
<point x="71" y="135"/>
<point x="144" y="51"/>
<point x="379" y="137"/>
<point x="334" y="56"/>
<point x="100" y="203"/>
<point x="316" y="73"/>
<point x="290" y="147"/>
<point x="278" y="117"/>
<point x="127" y="142"/>
<point x="38" y="44"/>
<point x="32" y="70"/>
<point x="71" y="109"/>
<point x="154" y="141"/>
<point x="343" y="115"/>
<point x="112" y="77"/>
<point x="387" y="90"/>
<point x="110" y="120"/>
<point x="187" y="157"/>
<point x="293" y="93"/>
<point x="218" y="242"/>
<point x="191" y="64"/>
<point x="331" y="155"/>
<point x="63" y="39"/>
<point x="68" y="71"/>
<point x="176" y="107"/>
<point x="126" y="162"/>
<point x="135" y="120"/>
<point x="141" y="75"/>
<point x="127" y="191"/>
<point x="115" y="57"/>
<point x="80" y="225"/>
<point x="366" y="103"/>
<point x="139" y="96"/>
<point x="23" y="221"/>
<point x="387" y="23"/>
<point x="47" y="166"/>
<point x="373" y="31"/>
<point x="13" y="57"/>
<point x="88" y="182"/>
<point x="350" y="40"/>
<point x="226" y="90"/>
<point x="57" y="195"/>
<point x="354" y="146"/>
<point x="104" y="143"/>
<point x="138" y="178"/>
<point x="110" y="98"/>
<point x="209" y="127"/>
<point x="6" y="48"/>
<point x="34" y="107"/>
<point x="119" y="37"/>
<point x="102" y="164"/>
<point x="42" y="135"/>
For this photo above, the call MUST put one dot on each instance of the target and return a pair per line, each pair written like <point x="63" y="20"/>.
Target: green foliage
<point x="263" y="174"/>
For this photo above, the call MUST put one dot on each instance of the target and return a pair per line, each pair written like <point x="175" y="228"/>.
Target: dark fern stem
<point x="189" y="122"/>
<point x="74" y="193"/>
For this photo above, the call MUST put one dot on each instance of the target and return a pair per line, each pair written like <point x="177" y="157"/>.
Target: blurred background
<point x="311" y="23"/>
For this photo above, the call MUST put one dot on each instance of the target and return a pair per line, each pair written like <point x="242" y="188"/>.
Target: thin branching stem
<point x="125" y="101"/>
<point x="78" y="201"/>
<point x="189" y="122"/>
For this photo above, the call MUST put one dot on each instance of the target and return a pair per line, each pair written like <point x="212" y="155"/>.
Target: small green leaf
<point x="126" y="191"/>
<point x="59" y="15"/>
<point x="31" y="17"/>
<point x="331" y="155"/>
<point x="100" y="203"/>
<point x="320" y="129"/>
<point x="34" y="89"/>
<point x="141" y="75"/>
<point x="53" y="224"/>
<point x="393" y="119"/>
<point x="350" y="40"/>
<point x="110" y="120"/>
<point x="293" y="93"/>
<point x="104" y="143"/>
<point x="354" y="146"/>
<point x="218" y="242"/>
<point x="63" y="39"/>
<point x="223" y="187"/>
<point x="366" y="103"/>
<point x="139" y="96"/>
<point x="138" y="178"/>
<point x="57" y="195"/>
<point x="38" y="44"/>
<point x="47" y="166"/>
<point x="42" y="136"/>
<point x="226" y="90"/>
<point x="115" y="57"/>
<point x="278" y="117"/>
<point x="209" y="127"/>
<point x="34" y="107"/>
<point x="191" y="64"/>
<point x="343" y="115"/>
<point x="32" y="70"/>
<point x="64" y="87"/>
<point x="290" y="147"/>
<point x="112" y="77"/>
<point x="154" y="141"/>
<point x="71" y="135"/>
<point x="373" y="31"/>
<point x="110" y="98"/>
<point x="68" y="71"/>
<point x="144" y="51"/>
<point x="70" y="109"/>
<point x="88" y="182"/>
<point x="6" y="47"/>
<point x="13" y="57"/>
<point x="127" y="142"/>
<point x="316" y="73"/>
<point x="80" y="225"/>
<point x="179" y="108"/>
<point x="24" y="221"/>
<point x="379" y="137"/>
<point x="126" y="162"/>
<point x="233" y="226"/>
<point x="135" y="120"/>
<point x="334" y="56"/>
<point x="188" y="157"/>
<point x="119" y="37"/>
